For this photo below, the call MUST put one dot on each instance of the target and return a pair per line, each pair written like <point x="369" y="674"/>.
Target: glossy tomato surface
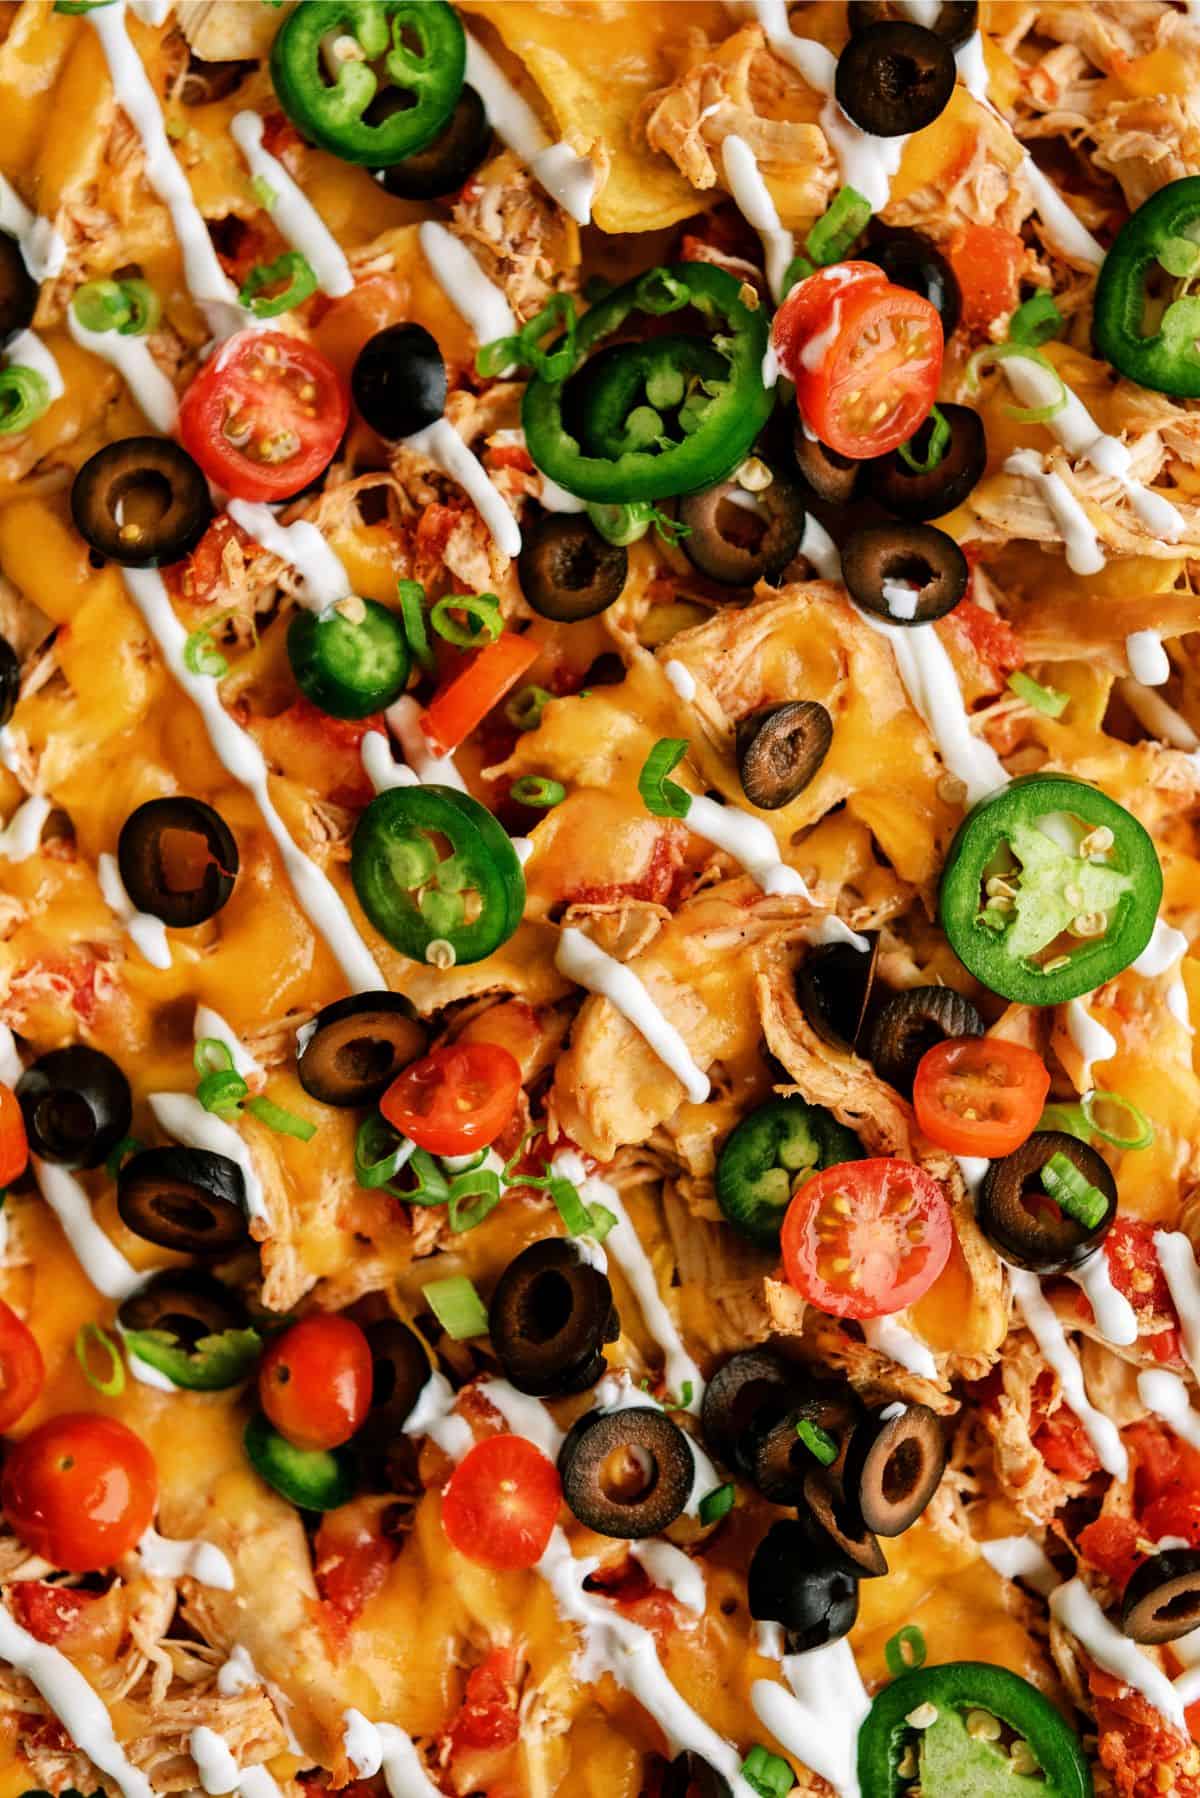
<point x="314" y="1382"/>
<point x="22" y="1371"/>
<point x="866" y="1238"/>
<point x="978" y="1095"/>
<point x="501" y="1504"/>
<point x="455" y="1099"/>
<point x="80" y="1490"/>
<point x="264" y="415"/>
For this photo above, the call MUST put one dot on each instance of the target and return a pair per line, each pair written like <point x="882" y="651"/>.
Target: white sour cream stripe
<point x="1177" y="1259"/>
<point x="147" y="933"/>
<point x="748" y="840"/>
<point x="22" y="835"/>
<point x="204" y="1562"/>
<point x="434" y="1416"/>
<point x="131" y="358"/>
<point x="210" y="1023"/>
<point x="932" y="685"/>
<point x="566" y="177"/>
<point x="1090" y="1038"/>
<point x="675" y="1572"/>
<point x="1048" y="1333"/>
<point x="1080" y="542"/>
<point x="43" y="248"/>
<point x="617" y="1392"/>
<point x="818" y="1720"/>
<point x="753" y="199"/>
<point x="584" y="962"/>
<point x="1115" y="1317"/>
<point x="324" y="580"/>
<point x="443" y="446"/>
<point x="182" y="1116"/>
<point x="1075" y="1608"/>
<point x="476" y="298"/>
<point x="888" y="1337"/>
<point x="1148" y="660"/>
<point x="1165" y="1394"/>
<point x="100" y="1259"/>
<point x="292" y="212"/>
<point x="1018" y="1557"/>
<point x="26" y="350"/>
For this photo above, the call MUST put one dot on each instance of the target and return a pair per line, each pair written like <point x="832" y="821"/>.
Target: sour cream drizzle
<point x="753" y="199"/>
<point x="219" y="1772"/>
<point x="674" y="1571"/>
<point x="22" y="835"/>
<point x="888" y="1337"/>
<point x="43" y="248"/>
<point x="184" y="1118"/>
<point x="443" y="446"/>
<point x="1115" y="1317"/>
<point x="147" y="933"/>
<point x="819" y="1719"/>
<point x="931" y="684"/>
<point x="1050" y="1337"/>
<point x="208" y="1022"/>
<point x="301" y="544"/>
<point x="434" y="1416"/>
<point x="748" y="840"/>
<point x="292" y="212"/>
<point x="241" y="756"/>
<point x="1165" y="1394"/>
<point x="100" y="1259"/>
<point x="1177" y="1259"/>
<point x="588" y="965"/>
<point x="1148" y="660"/>
<point x="1017" y="1557"/>
<point x="26" y="350"/>
<point x="381" y="1747"/>
<point x="131" y="358"/>
<point x="478" y="300"/>
<point x="1080" y="542"/>
<point x="192" y="1559"/>
<point x="681" y="679"/>
<point x="566" y="177"/>
<point x="1075" y="1608"/>
<point x="1089" y="1036"/>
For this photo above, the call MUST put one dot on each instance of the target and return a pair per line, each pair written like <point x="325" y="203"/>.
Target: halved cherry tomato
<point x="80" y="1490"/>
<point x="452" y="714"/>
<point x="49" y="1612"/>
<point x="455" y="1099"/>
<point x="314" y="1382"/>
<point x="14" y="1149"/>
<point x="806" y="307"/>
<point x="866" y="360"/>
<point x="501" y="1504"/>
<point x="264" y="415"/>
<point x="866" y="1238"/>
<point x="977" y="1095"/>
<point x="22" y="1370"/>
<point x="987" y="261"/>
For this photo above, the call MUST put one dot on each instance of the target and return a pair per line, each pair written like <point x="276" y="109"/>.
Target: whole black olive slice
<point x="912" y="1022"/>
<point x="690" y="1776"/>
<point x="444" y="164"/>
<point x="894" y="1462"/>
<point x="955" y="19"/>
<point x="834" y="986"/>
<point x="840" y="1528"/>
<point x="76" y="1105"/>
<point x="894" y="78"/>
<point x="190" y="1200"/>
<point x="141" y="502"/>
<point x="10" y="680"/>
<point x="832" y="477"/>
<point x="920" y="494"/>
<point x="178" y="860"/>
<point x="354" y="1048"/>
<point x="550" y="1316"/>
<point x="1162" y="1599"/>
<point x="906" y="573"/>
<point x="909" y="259"/>
<point x="398" y="381"/>
<point x="779" y="750"/>
<point x="188" y="1305"/>
<point x="779" y="1459"/>
<point x="626" y="1473"/>
<point x="793" y="1581"/>
<point x="18" y="289"/>
<point x="567" y="570"/>
<point x="737" y="537"/>
<point x="1018" y="1216"/>
<point x="753" y="1383"/>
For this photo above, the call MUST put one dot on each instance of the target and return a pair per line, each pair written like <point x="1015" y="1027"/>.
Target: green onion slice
<point x="379" y="1152"/>
<point x="281" y="1120"/>
<point x="939" y="443"/>
<point x="524" y="709"/>
<point x="665" y="798"/>
<point x="1047" y="700"/>
<point x="905" y="1651"/>
<point x="769" y="1774"/>
<point x="412" y="617"/>
<point x="1036" y="321"/>
<point x="1140" y="1133"/>
<point x="483" y="608"/>
<point x="991" y="353"/>
<point x="91" y="1341"/>
<point x="222" y="1092"/>
<point x="817" y="1441"/>
<point x="212" y="1056"/>
<point x="457" y="1307"/>
<point x="832" y="235"/>
<point x="474" y="1195"/>
<point x="1072" y="1192"/>
<point x="131" y="308"/>
<point x="200" y="653"/>
<point x="24" y="396"/>
<point x="272" y="288"/>
<point x="718" y="1503"/>
<point x="537" y="791"/>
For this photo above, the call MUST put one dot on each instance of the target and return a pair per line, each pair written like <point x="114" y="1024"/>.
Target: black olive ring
<point x="178" y="860"/>
<point x="626" y="1474"/>
<point x="142" y="502"/>
<point x="550" y="1316"/>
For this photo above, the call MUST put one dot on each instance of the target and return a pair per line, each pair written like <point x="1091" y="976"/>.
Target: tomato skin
<point x="462" y="705"/>
<point x="806" y="308"/>
<point x="22" y="1370"/>
<point x="987" y="261"/>
<point x="282" y="393"/>
<point x="501" y="1504"/>
<point x="1111" y="1544"/>
<point x="314" y="1382"/>
<point x="890" y="1267"/>
<point x="48" y="1612"/>
<point x="487" y="1716"/>
<point x="351" y="1558"/>
<point x="978" y="1095"/>
<point x="14" y="1148"/>
<point x="456" y="1098"/>
<point x="80" y="1490"/>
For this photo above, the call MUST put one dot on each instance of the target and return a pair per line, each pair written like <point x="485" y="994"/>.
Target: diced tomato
<point x="1166" y="1485"/>
<point x="1136" y="1269"/>
<point x="1137" y="1746"/>
<point x="487" y="1716"/>
<point x="48" y="1612"/>
<point x="629" y="1585"/>
<point x="1111" y="1545"/>
<point x="351" y="1558"/>
<point x="200" y="578"/>
<point x="455" y="711"/>
<point x="501" y="1504"/>
<point x="987" y="261"/>
<point x="979" y="1095"/>
<point x="866" y="1238"/>
<point x="1058" y="1435"/>
<point x="14" y="1148"/>
<point x="280" y="135"/>
<point x="658" y="885"/>
<point x="988" y="639"/>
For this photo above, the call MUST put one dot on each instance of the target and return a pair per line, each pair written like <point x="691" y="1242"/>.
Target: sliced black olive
<point x="894" y="78"/>
<point x="1162" y="1599"/>
<point x="917" y="494"/>
<point x="691" y="1776"/>
<point x="840" y="1528"/>
<point x="832" y="478"/>
<point x="792" y="1581"/>
<point x="1016" y="1213"/>
<point x="18" y="289"/>
<point x="188" y="1305"/>
<point x="190" y="1200"/>
<point x="955" y="19"/>
<point x="178" y="860"/>
<point x="203" y="82"/>
<point x="76" y="1105"/>
<point x="400" y="1369"/>
<point x="752" y="1384"/>
<point x="778" y="1458"/>
<point x="10" y="680"/>
<point x="626" y="1473"/>
<point x="142" y="502"/>
<point x="354" y="1048"/>
<point x="567" y="570"/>
<point x="911" y="260"/>
<point x="399" y="381"/>
<point x="894" y="1462"/>
<point x="912" y="1022"/>
<point x="737" y="537"/>
<point x="443" y="165"/>
<point x="833" y="986"/>
<point x="550" y="1316"/>
<point x="779" y="750"/>
<point x="881" y="564"/>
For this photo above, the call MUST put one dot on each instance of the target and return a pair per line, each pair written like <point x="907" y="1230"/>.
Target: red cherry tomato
<point x="805" y="307"/>
<point x="314" y="1382"/>
<point x="866" y="1238"/>
<point x="455" y="1099"/>
<point x="977" y="1095"/>
<point x="49" y="1612"/>
<point x="866" y="361"/>
<point x="80" y="1490"/>
<point x="14" y="1149"/>
<point x="502" y="1502"/>
<point x="22" y="1371"/>
<point x="264" y="415"/>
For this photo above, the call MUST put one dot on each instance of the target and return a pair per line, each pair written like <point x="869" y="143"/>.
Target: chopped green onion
<point x="982" y="361"/>
<point x="905" y="1651"/>
<point x="128" y="1145"/>
<point x="718" y="1503"/>
<point x="279" y="1119"/>
<point x="131" y="308"/>
<point x="212" y="1056"/>
<point x="1073" y="1192"/>
<point x="24" y="396"/>
<point x="200" y="653"/>
<point x="412" y="617"/>
<point x="457" y="1307"/>
<point x="379" y="1151"/>
<point x="1048" y="700"/>
<point x="1143" y="1130"/>
<point x="832" y="235"/>
<point x="474" y="1195"/>
<point x="601" y="1221"/>
<point x="817" y="1441"/>
<point x="222" y="1092"/>
<point x="75" y="7"/>
<point x="263" y="192"/>
<point x="495" y="358"/>
<point x="798" y="269"/>
<point x="1069" y="1119"/>
<point x="1180" y="256"/>
<point x="90" y="1340"/>
<point x="292" y="273"/>
<point x="622" y="525"/>
<point x="668" y="1403"/>
<point x="939" y="443"/>
<point x="665" y="798"/>
<point x="536" y="791"/>
<point x="1036" y="321"/>
<point x="525" y="707"/>
<point x="570" y="1206"/>
<point x="484" y="608"/>
<point x="769" y="1774"/>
